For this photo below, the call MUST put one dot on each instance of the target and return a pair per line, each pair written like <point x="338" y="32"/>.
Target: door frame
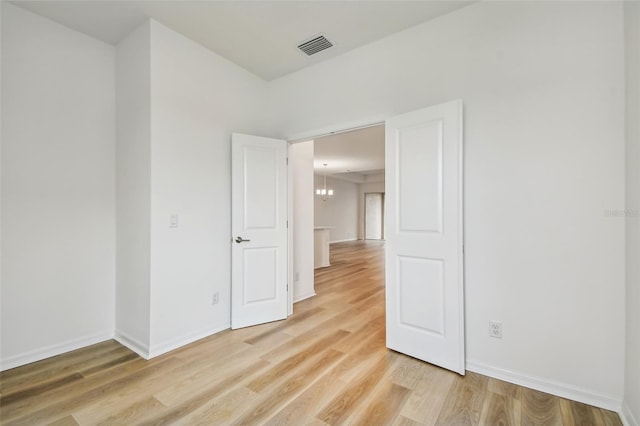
<point x="290" y="221"/>
<point x="349" y="126"/>
<point x="306" y="136"/>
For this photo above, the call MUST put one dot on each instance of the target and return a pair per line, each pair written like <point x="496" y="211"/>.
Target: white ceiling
<point x="357" y="156"/>
<point x="260" y="36"/>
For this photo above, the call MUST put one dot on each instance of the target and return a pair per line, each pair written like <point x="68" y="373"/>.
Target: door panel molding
<point x="259" y="211"/>
<point x="424" y="251"/>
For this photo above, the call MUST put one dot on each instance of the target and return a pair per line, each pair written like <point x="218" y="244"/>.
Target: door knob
<point x="241" y="240"/>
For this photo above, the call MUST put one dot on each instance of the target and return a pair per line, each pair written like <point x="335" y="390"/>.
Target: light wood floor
<point x="327" y="364"/>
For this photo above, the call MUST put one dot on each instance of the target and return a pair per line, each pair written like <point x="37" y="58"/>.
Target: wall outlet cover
<point x="495" y="329"/>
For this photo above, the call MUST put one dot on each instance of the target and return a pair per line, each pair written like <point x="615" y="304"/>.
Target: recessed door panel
<point x="260" y="275"/>
<point x="419" y="166"/>
<point x="421" y="283"/>
<point x="260" y="186"/>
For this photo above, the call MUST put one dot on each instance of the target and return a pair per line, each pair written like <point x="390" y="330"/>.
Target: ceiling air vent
<point x="315" y="45"/>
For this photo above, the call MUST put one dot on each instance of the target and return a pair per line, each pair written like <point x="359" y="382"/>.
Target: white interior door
<point x="259" y="230"/>
<point x="424" y="258"/>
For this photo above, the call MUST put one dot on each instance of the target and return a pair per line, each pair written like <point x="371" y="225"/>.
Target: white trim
<point x="337" y="128"/>
<point x="170" y="345"/>
<point x="290" y="222"/>
<point x="132" y="343"/>
<point x="304" y="296"/>
<point x="626" y="416"/>
<point x="553" y="387"/>
<point x="460" y="242"/>
<point x="53" y="350"/>
<point x="343" y="241"/>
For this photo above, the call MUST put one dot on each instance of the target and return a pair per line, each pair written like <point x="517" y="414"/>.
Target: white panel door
<point x="424" y="258"/>
<point x="259" y="230"/>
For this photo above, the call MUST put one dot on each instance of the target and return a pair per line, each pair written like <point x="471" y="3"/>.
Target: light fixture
<point x="323" y="192"/>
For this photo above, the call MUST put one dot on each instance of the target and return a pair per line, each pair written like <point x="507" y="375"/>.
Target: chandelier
<point x="323" y="192"/>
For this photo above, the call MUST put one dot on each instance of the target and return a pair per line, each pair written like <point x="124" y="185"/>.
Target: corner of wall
<point x="133" y="182"/>
<point x="171" y="344"/>
<point x="626" y="416"/>
<point x="132" y="343"/>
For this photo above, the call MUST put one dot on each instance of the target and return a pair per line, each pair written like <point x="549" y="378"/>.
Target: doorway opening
<point x="348" y="174"/>
<point x="374" y="216"/>
<point x="330" y="176"/>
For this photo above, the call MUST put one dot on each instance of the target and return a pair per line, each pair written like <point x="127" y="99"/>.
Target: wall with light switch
<point x="197" y="100"/>
<point x="83" y="261"/>
<point x="175" y="289"/>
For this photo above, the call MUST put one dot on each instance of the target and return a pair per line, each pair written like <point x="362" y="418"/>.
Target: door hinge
<point x="287" y="161"/>
<point x="287" y="224"/>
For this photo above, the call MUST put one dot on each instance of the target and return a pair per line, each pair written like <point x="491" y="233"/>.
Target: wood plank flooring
<point x="326" y="364"/>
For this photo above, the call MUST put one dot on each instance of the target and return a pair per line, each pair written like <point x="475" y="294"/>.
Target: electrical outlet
<point x="215" y="299"/>
<point x="495" y="329"/>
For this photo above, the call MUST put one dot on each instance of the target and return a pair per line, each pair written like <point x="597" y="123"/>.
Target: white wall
<point x="58" y="184"/>
<point x="339" y="211"/>
<point x="363" y="188"/>
<point x="301" y="158"/>
<point x="177" y="106"/>
<point x="197" y="100"/>
<point x="543" y="89"/>
<point x="133" y="189"/>
<point x="632" y="376"/>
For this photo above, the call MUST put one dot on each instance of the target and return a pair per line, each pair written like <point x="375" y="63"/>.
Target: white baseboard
<point x="343" y="241"/>
<point x="627" y="416"/>
<point x="132" y="343"/>
<point x="53" y="350"/>
<point x="304" y="296"/>
<point x="549" y="386"/>
<point x="170" y="345"/>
